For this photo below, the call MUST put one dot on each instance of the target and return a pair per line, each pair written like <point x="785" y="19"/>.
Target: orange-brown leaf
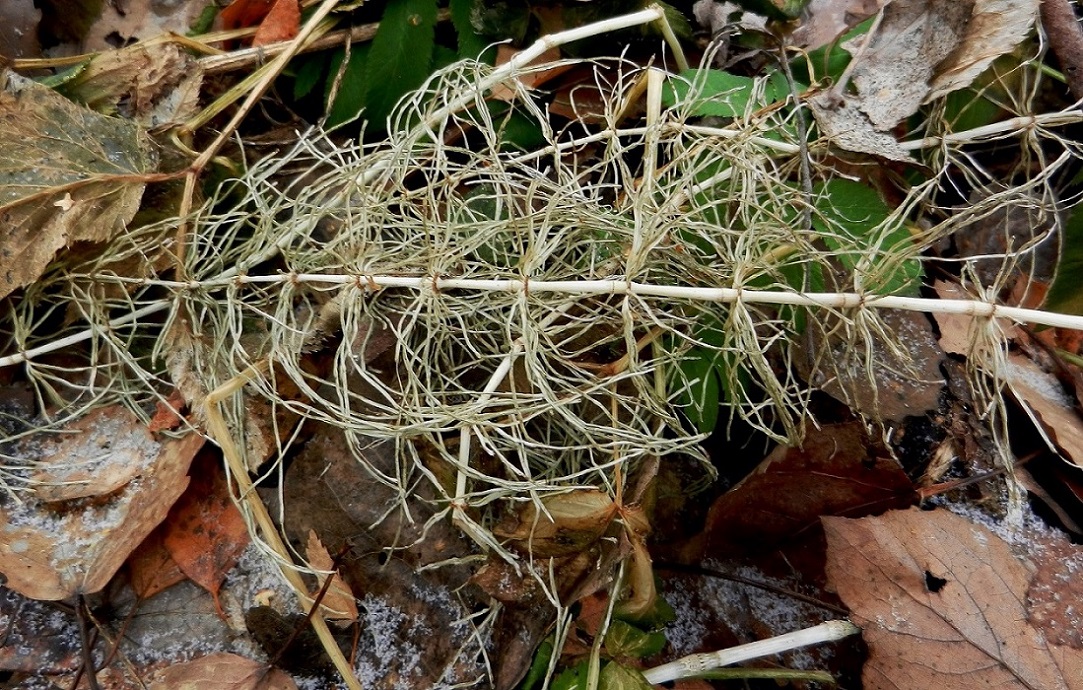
<point x="281" y="24"/>
<point x="205" y="533"/>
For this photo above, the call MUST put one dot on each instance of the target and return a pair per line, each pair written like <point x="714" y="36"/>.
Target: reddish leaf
<point x="281" y="24"/>
<point x="244" y="13"/>
<point x="205" y="533"/>
<point x="151" y="567"/>
<point x="838" y="470"/>
<point x="167" y="413"/>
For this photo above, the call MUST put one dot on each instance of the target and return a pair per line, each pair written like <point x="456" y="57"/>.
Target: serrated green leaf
<point x="310" y="70"/>
<point x="350" y="98"/>
<point x="400" y="57"/>
<point x="617" y="677"/>
<point x="849" y="217"/>
<point x="623" y="639"/>
<point x="471" y="44"/>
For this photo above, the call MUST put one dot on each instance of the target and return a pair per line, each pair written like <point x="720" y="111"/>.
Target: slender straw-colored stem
<point x="697" y="664"/>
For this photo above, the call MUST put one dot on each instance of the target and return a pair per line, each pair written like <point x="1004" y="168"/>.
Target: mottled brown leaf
<point x="205" y="533"/>
<point x="52" y="551"/>
<point x="67" y="174"/>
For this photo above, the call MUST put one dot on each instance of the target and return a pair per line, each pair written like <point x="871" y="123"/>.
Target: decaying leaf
<point x="52" y="551"/>
<point x="842" y="122"/>
<point x="924" y="49"/>
<point x="406" y="602"/>
<point x="826" y="20"/>
<point x="338" y="603"/>
<point x="1046" y="401"/>
<point x="67" y="175"/>
<point x="107" y="448"/>
<point x="151" y="567"/>
<point x="942" y="603"/>
<point x="221" y="672"/>
<point x="882" y="380"/>
<point x="122" y="23"/>
<point x="995" y="28"/>
<point x="153" y="84"/>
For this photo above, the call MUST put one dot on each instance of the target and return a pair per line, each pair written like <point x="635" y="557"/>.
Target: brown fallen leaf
<point x="220" y="672"/>
<point x="52" y="150"/>
<point x="52" y="551"/>
<point x="924" y="49"/>
<point x="153" y="84"/>
<point x="205" y="533"/>
<point x="338" y="603"/>
<point x="151" y="568"/>
<point x="825" y="20"/>
<point x="1047" y="403"/>
<point x="837" y="470"/>
<point x="105" y="450"/>
<point x="942" y="602"/>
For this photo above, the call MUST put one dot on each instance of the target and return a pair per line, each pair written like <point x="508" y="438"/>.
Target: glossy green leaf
<point x="351" y="95"/>
<point x="539" y="666"/>
<point x="700" y="400"/>
<point x="400" y="57"/>
<point x="471" y="44"/>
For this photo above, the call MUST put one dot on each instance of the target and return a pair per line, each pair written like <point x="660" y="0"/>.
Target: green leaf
<point x="1066" y="293"/>
<point x="626" y="640"/>
<point x="350" y="98"/>
<point x="574" y="678"/>
<point x="617" y="677"/>
<point x="310" y="70"/>
<point x="535" y="675"/>
<point x="700" y="399"/>
<point x="471" y="44"/>
<point x="721" y="94"/>
<point x="849" y="216"/>
<point x="400" y="57"/>
<point x="829" y="61"/>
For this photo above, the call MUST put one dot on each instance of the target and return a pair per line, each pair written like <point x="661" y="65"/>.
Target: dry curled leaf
<point x="567" y="524"/>
<point x="941" y="602"/>
<point x="154" y="84"/>
<point x="924" y="49"/>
